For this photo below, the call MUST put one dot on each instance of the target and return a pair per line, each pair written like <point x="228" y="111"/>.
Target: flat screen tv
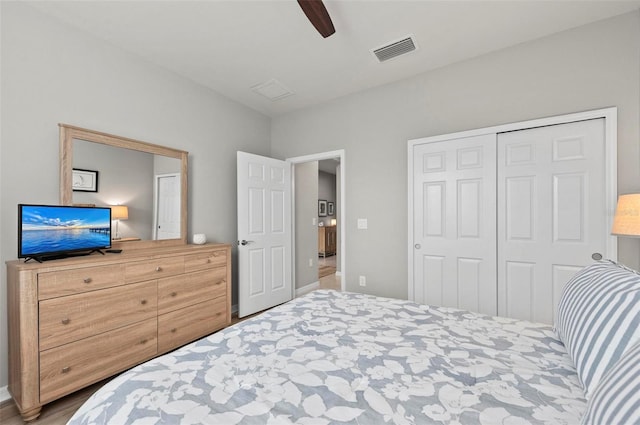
<point x="48" y="232"/>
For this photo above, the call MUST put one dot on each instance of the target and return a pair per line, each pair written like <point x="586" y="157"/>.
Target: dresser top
<point x="97" y="259"/>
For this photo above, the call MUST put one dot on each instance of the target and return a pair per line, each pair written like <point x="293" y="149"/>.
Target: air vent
<point x="395" y="49"/>
<point x="272" y="90"/>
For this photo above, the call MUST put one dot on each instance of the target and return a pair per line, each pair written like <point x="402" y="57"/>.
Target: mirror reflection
<point x="142" y="188"/>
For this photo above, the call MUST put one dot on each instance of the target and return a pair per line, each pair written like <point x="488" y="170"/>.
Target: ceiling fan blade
<point x="318" y="15"/>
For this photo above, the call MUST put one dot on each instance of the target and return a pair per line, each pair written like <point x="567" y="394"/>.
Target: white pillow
<point x="616" y="400"/>
<point x="599" y="319"/>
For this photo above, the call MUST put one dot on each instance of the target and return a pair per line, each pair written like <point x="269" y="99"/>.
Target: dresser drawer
<point x="68" y="282"/>
<point x="178" y="292"/>
<point x="153" y="269"/>
<point x="205" y="260"/>
<point x="67" y="319"/>
<point x="69" y="367"/>
<point x="182" y="326"/>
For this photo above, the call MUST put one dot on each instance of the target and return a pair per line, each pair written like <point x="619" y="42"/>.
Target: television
<point x="47" y="232"/>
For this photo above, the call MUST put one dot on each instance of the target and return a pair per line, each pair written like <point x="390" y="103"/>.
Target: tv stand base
<point x="41" y="258"/>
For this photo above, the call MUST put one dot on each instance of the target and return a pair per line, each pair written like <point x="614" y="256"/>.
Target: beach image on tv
<point x="48" y="229"/>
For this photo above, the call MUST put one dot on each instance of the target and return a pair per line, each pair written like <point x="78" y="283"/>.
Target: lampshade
<point x="334" y="221"/>
<point x="119" y="212"/>
<point x="627" y="219"/>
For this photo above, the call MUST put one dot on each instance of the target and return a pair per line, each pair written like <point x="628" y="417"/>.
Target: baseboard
<point x="4" y="394"/>
<point x="307" y="288"/>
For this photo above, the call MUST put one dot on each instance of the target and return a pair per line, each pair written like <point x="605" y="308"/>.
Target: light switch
<point x="314" y="221"/>
<point x="362" y="223"/>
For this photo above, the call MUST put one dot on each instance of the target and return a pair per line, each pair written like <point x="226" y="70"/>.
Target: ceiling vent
<point x="272" y="90"/>
<point x="395" y="49"/>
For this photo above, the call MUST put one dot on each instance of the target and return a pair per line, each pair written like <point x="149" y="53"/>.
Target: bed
<point x="336" y="357"/>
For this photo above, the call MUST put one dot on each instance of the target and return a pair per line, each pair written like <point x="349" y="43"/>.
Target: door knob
<point x="418" y="246"/>
<point x="596" y="256"/>
<point x="244" y="242"/>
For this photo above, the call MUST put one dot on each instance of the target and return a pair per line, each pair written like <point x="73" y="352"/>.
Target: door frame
<point x="156" y="198"/>
<point x="319" y="157"/>
<point x="610" y="116"/>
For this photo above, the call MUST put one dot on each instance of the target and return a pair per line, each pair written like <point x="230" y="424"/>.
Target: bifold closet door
<point x="455" y="223"/>
<point x="551" y="213"/>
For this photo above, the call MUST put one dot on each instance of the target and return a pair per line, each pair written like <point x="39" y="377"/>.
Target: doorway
<point x="306" y="256"/>
<point x="328" y="273"/>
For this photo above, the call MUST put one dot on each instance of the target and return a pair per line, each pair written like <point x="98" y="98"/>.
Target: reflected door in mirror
<point x="167" y="206"/>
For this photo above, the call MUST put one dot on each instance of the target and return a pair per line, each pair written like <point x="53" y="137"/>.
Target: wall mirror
<point x="145" y="184"/>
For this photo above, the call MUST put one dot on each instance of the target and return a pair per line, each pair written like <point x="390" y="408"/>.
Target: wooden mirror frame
<point x="68" y="133"/>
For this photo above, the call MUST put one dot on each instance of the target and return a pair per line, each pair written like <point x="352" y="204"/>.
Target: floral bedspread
<point x="333" y="358"/>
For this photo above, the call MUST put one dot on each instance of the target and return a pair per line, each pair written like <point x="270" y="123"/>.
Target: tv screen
<point x="52" y="230"/>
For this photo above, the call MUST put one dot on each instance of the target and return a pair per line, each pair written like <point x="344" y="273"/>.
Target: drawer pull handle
<point x="219" y="282"/>
<point x="143" y="302"/>
<point x="219" y="313"/>
<point x="174" y="330"/>
<point x="173" y="294"/>
<point x="65" y="321"/>
<point x="208" y="260"/>
<point x="87" y="280"/>
<point x="66" y="369"/>
<point x="144" y="341"/>
<point x="158" y="269"/>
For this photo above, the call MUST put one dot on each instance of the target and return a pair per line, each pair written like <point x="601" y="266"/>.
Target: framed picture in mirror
<point x="331" y="208"/>
<point x="85" y="180"/>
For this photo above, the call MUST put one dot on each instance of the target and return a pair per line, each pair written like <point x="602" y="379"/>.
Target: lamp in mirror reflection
<point x="119" y="212"/>
<point x="334" y="221"/>
<point x="627" y="219"/>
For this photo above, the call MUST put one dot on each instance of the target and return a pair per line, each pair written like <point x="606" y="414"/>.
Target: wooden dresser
<point x="326" y="240"/>
<point x="77" y="321"/>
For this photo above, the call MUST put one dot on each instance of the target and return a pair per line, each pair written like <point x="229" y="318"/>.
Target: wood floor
<point x="327" y="266"/>
<point x="56" y="413"/>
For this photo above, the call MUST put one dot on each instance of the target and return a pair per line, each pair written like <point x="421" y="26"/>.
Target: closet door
<point x="454" y="225"/>
<point x="551" y="213"/>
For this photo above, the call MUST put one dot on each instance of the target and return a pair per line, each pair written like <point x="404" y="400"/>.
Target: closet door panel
<point x="551" y="204"/>
<point x="519" y="290"/>
<point x="455" y="223"/>
<point x="520" y="208"/>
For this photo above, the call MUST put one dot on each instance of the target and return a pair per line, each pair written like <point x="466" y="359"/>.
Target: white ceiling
<point x="231" y="46"/>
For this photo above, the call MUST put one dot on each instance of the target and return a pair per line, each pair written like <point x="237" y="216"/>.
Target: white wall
<point x="51" y="73"/>
<point x="590" y="67"/>
<point x="306" y="209"/>
<point x="327" y="191"/>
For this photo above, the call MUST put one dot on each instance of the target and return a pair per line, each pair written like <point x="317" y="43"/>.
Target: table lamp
<point x="119" y="212"/>
<point x="626" y="222"/>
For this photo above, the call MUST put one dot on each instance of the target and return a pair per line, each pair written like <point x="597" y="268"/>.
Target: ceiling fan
<point x="318" y="15"/>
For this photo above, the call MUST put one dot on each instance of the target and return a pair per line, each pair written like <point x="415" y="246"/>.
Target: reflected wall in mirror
<point x="150" y="180"/>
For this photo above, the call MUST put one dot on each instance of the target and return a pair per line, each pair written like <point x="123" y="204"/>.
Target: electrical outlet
<point x="363" y="223"/>
<point x="314" y="221"/>
<point x="362" y="280"/>
<point x="310" y="262"/>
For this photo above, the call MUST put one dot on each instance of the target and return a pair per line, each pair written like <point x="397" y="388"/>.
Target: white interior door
<point x="552" y="213"/>
<point x="264" y="233"/>
<point x="454" y="232"/>
<point x="167" y="217"/>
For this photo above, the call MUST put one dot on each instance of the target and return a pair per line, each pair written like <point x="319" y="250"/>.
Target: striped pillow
<point x="599" y="319"/>
<point x="616" y="400"/>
